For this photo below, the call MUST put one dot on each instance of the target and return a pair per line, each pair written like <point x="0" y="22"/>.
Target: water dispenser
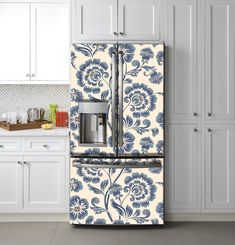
<point x="93" y="123"/>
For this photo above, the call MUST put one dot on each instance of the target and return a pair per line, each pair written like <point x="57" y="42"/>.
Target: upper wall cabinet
<point x="14" y="41"/>
<point x="34" y="43"/>
<point x="219" y="59"/>
<point x="181" y="60"/>
<point x="113" y="20"/>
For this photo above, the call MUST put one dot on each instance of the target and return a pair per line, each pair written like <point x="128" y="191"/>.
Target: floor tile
<point x="26" y="233"/>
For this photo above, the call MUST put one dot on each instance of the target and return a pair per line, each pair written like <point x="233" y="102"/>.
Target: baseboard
<point x="201" y="217"/>
<point x="65" y="218"/>
<point x="34" y="218"/>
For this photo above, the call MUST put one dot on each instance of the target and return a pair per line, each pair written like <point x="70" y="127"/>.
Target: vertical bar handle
<point x="113" y="106"/>
<point x="120" y="98"/>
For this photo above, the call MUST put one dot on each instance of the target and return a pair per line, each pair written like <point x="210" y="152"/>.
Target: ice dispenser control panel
<point x="93" y="123"/>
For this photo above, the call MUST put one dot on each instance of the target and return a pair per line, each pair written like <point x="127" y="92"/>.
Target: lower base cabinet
<point x="34" y="180"/>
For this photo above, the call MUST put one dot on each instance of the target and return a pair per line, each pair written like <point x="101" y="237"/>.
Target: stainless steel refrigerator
<point x="117" y="134"/>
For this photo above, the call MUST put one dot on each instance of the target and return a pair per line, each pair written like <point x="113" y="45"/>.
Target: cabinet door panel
<point x="10" y="184"/>
<point x="182" y="59"/>
<point x="14" y="42"/>
<point x="50" y="42"/>
<point x="182" y="169"/>
<point x="220" y="167"/>
<point x="219" y="58"/>
<point x="44" y="183"/>
<point x="139" y="20"/>
<point x="94" y="20"/>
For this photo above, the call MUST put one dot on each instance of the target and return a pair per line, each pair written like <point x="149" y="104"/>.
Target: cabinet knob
<point x="27" y="75"/>
<point x="209" y="130"/>
<point x="45" y="146"/>
<point x="195" y="130"/>
<point x="209" y="114"/>
<point x="195" y="114"/>
<point x="115" y="33"/>
<point x="32" y="75"/>
<point x="121" y="33"/>
<point x="1" y="146"/>
<point x="19" y="162"/>
<point x="26" y="162"/>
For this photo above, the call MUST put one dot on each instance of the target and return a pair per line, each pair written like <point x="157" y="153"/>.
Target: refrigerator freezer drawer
<point x="123" y="195"/>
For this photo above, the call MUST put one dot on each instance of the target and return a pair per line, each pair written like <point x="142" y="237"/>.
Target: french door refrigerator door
<point x="141" y="99"/>
<point x="113" y="192"/>
<point x="93" y="99"/>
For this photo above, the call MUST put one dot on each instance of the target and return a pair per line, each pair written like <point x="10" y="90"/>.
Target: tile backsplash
<point x="22" y="97"/>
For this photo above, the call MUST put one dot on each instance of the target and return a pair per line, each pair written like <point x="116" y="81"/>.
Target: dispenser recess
<point x="93" y="123"/>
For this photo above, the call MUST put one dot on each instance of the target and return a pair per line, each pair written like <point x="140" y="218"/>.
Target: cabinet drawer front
<point x="45" y="144"/>
<point x="9" y="144"/>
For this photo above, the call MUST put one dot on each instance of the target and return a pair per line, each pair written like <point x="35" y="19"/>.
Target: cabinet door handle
<point x="26" y="162"/>
<point x="209" y="130"/>
<point x="195" y="130"/>
<point x="19" y="162"/>
<point x="195" y="114"/>
<point x="115" y="33"/>
<point x="121" y="33"/>
<point x="45" y="146"/>
<point x="1" y="146"/>
<point x="32" y="75"/>
<point x="27" y="75"/>
<point x="209" y="114"/>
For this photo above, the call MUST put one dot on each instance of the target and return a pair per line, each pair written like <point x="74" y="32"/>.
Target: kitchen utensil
<point x="52" y="114"/>
<point x="36" y="114"/>
<point x="23" y="117"/>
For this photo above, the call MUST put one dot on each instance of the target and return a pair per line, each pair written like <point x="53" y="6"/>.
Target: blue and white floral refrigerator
<point x="117" y="134"/>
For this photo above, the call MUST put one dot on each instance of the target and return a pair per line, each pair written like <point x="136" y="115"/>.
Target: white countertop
<point x="36" y="132"/>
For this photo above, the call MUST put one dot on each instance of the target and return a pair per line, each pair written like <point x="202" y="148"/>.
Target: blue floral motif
<point x="78" y="208"/>
<point x="74" y="118"/>
<point x="146" y="143"/>
<point x="160" y="57"/>
<point x="75" y="185"/>
<point x="146" y="54"/>
<point x="100" y="222"/>
<point x="90" y="49"/>
<point x="76" y="95"/>
<point x="156" y="77"/>
<point x="128" y="142"/>
<point x="127" y="49"/>
<point x="92" y="75"/>
<point x="115" y="190"/>
<point x="156" y="170"/>
<point x="141" y="99"/>
<point x="160" y="209"/>
<point x="160" y="119"/>
<point x="160" y="146"/>
<point x="141" y="189"/>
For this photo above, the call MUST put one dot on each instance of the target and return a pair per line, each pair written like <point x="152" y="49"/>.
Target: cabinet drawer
<point x="9" y="144"/>
<point x="45" y="144"/>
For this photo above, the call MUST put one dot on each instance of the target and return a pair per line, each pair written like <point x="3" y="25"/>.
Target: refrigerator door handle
<point x="114" y="111"/>
<point x="120" y="96"/>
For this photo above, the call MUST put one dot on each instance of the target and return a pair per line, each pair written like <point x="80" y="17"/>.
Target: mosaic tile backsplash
<point x="22" y="97"/>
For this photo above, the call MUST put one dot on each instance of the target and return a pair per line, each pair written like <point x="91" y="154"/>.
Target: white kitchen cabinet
<point x="44" y="183"/>
<point x="220" y="168"/>
<point x="34" y="44"/>
<point x="181" y="60"/>
<point x="94" y="20"/>
<point x="116" y="20"/>
<point x="14" y="42"/>
<point x="10" y="183"/>
<point x="219" y="59"/>
<point x="50" y="42"/>
<point x="34" y="179"/>
<point x="182" y="169"/>
<point x="139" y="20"/>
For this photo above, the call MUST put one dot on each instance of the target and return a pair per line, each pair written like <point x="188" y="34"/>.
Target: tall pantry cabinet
<point x="200" y="111"/>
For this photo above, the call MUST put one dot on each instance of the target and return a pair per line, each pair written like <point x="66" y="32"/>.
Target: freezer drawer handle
<point x="108" y="164"/>
<point x="114" y="107"/>
<point x="120" y="95"/>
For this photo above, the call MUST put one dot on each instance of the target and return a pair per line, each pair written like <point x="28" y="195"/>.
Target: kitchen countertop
<point x="36" y="132"/>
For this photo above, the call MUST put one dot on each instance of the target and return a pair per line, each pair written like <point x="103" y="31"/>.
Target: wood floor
<point x="175" y="233"/>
